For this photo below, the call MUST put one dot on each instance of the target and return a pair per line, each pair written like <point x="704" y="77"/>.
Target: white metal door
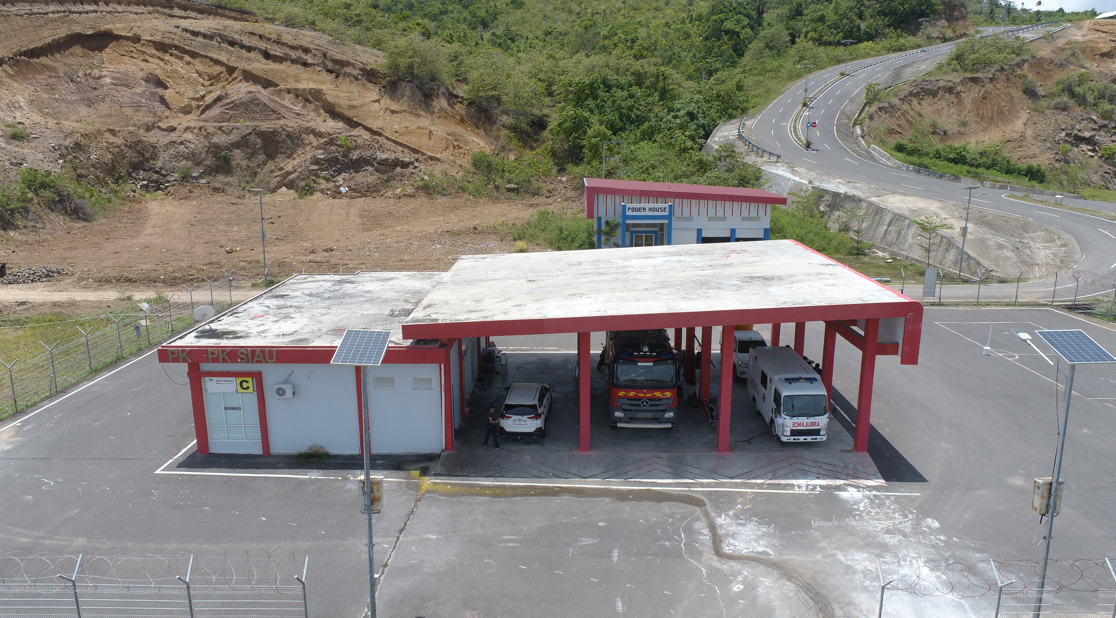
<point x="232" y="419"/>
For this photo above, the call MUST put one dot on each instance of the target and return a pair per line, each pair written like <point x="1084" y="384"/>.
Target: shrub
<point x="977" y="54"/>
<point x="559" y="231"/>
<point x="344" y="141"/>
<point x="1108" y="152"/>
<point x="18" y="133"/>
<point x="803" y="222"/>
<point x="1030" y="88"/>
<point x="184" y="173"/>
<point x="417" y="59"/>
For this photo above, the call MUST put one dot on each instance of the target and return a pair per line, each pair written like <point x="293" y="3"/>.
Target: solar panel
<point x="1075" y="346"/>
<point x="361" y="347"/>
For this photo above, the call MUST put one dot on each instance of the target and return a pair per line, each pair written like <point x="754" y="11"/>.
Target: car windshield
<point x="744" y="347"/>
<point x="804" y="405"/>
<point x="520" y="410"/>
<point x="633" y="374"/>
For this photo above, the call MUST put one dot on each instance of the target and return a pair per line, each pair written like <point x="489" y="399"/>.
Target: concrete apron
<point x="684" y="455"/>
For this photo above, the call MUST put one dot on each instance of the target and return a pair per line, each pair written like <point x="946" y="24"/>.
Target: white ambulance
<point x="789" y="394"/>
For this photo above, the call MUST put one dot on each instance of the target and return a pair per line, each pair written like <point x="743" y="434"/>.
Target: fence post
<point x="11" y="380"/>
<point x="158" y="329"/>
<point x="189" y="599"/>
<point x="1017" y="280"/>
<point x="1002" y="585"/>
<point x="1075" y="287"/>
<point x="883" y="586"/>
<point x="88" y="356"/>
<point x="903" y="286"/>
<point x="119" y="339"/>
<point x="73" y="585"/>
<point x="228" y="273"/>
<point x="1109" y="316"/>
<point x="1055" y="290"/>
<point x="980" y="280"/>
<point x="191" y="291"/>
<point x="170" y="316"/>
<point x="941" y="284"/>
<point x="210" y="282"/>
<point x="302" y="580"/>
<point x="53" y="375"/>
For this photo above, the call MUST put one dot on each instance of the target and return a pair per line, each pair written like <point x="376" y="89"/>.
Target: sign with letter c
<point x="245" y="385"/>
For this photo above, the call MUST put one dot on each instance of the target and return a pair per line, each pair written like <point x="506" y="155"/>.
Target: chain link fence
<point x="1083" y="588"/>
<point x="101" y="343"/>
<point x="227" y="584"/>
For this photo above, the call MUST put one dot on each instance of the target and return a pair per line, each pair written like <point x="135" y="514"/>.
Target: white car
<point x="525" y="410"/>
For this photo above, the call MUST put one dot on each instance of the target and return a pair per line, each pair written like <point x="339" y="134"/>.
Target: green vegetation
<point x="978" y="54"/>
<point x="802" y="221"/>
<point x="343" y="141"/>
<point x="560" y="231"/>
<point x="183" y="173"/>
<point x="1088" y="94"/>
<point x="990" y="157"/>
<point x="17" y="132"/>
<point x="58" y="192"/>
<point x="566" y="77"/>
<point x="999" y="13"/>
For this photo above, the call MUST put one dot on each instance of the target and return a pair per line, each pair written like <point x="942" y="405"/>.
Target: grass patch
<point x="879" y="268"/>
<point x="556" y="230"/>
<point x="18" y="133"/>
<point x="1100" y="195"/>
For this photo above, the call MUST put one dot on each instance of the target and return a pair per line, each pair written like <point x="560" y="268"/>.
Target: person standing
<point x="493" y="428"/>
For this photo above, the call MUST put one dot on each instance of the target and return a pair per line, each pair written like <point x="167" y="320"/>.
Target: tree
<point x="930" y="225"/>
<point x="852" y="222"/>
<point x="610" y="229"/>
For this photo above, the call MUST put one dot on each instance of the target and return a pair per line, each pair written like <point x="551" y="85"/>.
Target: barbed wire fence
<point x="231" y="583"/>
<point x="104" y="341"/>
<point x="1076" y="588"/>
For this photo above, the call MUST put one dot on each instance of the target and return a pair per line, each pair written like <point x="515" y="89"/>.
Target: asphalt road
<point x="834" y="151"/>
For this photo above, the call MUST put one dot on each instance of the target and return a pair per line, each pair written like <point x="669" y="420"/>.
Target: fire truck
<point x="644" y="378"/>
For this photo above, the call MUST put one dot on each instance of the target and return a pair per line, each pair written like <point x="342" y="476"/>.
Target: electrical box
<point x="375" y="485"/>
<point x="284" y="390"/>
<point x="1040" y="496"/>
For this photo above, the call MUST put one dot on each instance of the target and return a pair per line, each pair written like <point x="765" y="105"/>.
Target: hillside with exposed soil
<point x="161" y="92"/>
<point x="1022" y="106"/>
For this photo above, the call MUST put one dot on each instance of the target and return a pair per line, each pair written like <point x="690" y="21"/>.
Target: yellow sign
<point x="245" y="385"/>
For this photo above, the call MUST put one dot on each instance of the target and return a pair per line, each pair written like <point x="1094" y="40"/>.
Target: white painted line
<point x="633" y="487"/>
<point x="851" y="161"/>
<point x="191" y="445"/>
<point x="826" y="146"/>
<point x="898" y="174"/>
<point x="1106" y="232"/>
<point x="780" y="111"/>
<point x="910" y="187"/>
<point x="78" y="390"/>
<point x="808" y="161"/>
<point x="984" y="201"/>
<point x="1111" y="267"/>
<point x="1049" y="214"/>
<point x="830" y="102"/>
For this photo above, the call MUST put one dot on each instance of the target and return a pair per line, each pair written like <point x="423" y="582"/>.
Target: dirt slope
<point x="993" y="107"/>
<point x="145" y="89"/>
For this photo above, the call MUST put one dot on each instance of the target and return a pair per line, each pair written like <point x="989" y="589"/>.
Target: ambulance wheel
<point x="774" y="432"/>
<point x="735" y="376"/>
<point x="755" y="408"/>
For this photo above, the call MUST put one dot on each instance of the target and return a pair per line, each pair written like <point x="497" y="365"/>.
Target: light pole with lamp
<point x="806" y="99"/>
<point x="922" y="26"/>
<point x="965" y="230"/>
<point x="263" y="235"/>
<point x="847" y="42"/>
<point x="1076" y="348"/>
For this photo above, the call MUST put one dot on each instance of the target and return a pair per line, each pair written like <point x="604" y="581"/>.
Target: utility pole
<point x="847" y="42"/>
<point x="806" y="98"/>
<point x="965" y="230"/>
<point x="922" y="26"/>
<point x="263" y="235"/>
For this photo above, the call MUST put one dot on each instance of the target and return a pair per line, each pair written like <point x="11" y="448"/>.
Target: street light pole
<point x="263" y="235"/>
<point x="965" y="230"/>
<point x="806" y="100"/>
<point x="847" y="42"/>
<point x="922" y="26"/>
<point x="1054" y="487"/>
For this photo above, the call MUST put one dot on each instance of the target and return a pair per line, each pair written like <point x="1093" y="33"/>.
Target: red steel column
<point x="799" y="337"/>
<point x="480" y="360"/>
<point x="461" y="374"/>
<point x="864" y="396"/>
<point x="688" y="368"/>
<point x="447" y="397"/>
<point x="197" y="398"/>
<point x="724" y="403"/>
<point x="828" y="345"/>
<point x="706" y="359"/>
<point x="775" y="328"/>
<point x="678" y="340"/>
<point x="583" y="377"/>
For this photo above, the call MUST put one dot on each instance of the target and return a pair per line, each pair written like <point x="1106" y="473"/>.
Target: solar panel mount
<point x="1075" y="347"/>
<point x="361" y="347"/>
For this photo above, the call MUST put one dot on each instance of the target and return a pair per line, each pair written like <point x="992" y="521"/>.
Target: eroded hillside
<point x="162" y="91"/>
<point x="1022" y="106"/>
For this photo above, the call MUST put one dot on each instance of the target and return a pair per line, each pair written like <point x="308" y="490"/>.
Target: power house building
<point x="644" y="214"/>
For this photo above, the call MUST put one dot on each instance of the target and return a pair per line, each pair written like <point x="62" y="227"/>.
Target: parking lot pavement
<point x="80" y="476"/>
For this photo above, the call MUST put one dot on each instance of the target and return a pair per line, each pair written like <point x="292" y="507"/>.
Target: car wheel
<point x="542" y="433"/>
<point x="735" y="376"/>
<point x="755" y="408"/>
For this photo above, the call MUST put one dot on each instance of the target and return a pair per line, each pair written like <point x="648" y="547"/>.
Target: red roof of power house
<point x="674" y="191"/>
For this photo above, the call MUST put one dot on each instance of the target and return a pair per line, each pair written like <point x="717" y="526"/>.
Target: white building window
<point x="422" y="383"/>
<point x="383" y="384"/>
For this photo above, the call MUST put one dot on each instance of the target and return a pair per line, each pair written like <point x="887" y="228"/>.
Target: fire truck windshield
<point x="633" y="374"/>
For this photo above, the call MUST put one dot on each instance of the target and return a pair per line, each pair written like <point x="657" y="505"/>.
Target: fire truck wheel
<point x="613" y="425"/>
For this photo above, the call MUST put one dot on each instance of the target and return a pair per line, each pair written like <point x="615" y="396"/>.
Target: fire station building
<point x="261" y="381"/>
<point x="645" y="214"/>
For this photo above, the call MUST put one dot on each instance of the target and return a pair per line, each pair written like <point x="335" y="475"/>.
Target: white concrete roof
<point x="649" y="287"/>
<point x="315" y="310"/>
<point x="1108" y="15"/>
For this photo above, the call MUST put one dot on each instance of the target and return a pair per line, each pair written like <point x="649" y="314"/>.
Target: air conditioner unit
<point x="284" y="391"/>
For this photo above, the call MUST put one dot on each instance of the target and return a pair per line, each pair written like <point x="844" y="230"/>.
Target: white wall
<point x="405" y="420"/>
<point x="323" y="411"/>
